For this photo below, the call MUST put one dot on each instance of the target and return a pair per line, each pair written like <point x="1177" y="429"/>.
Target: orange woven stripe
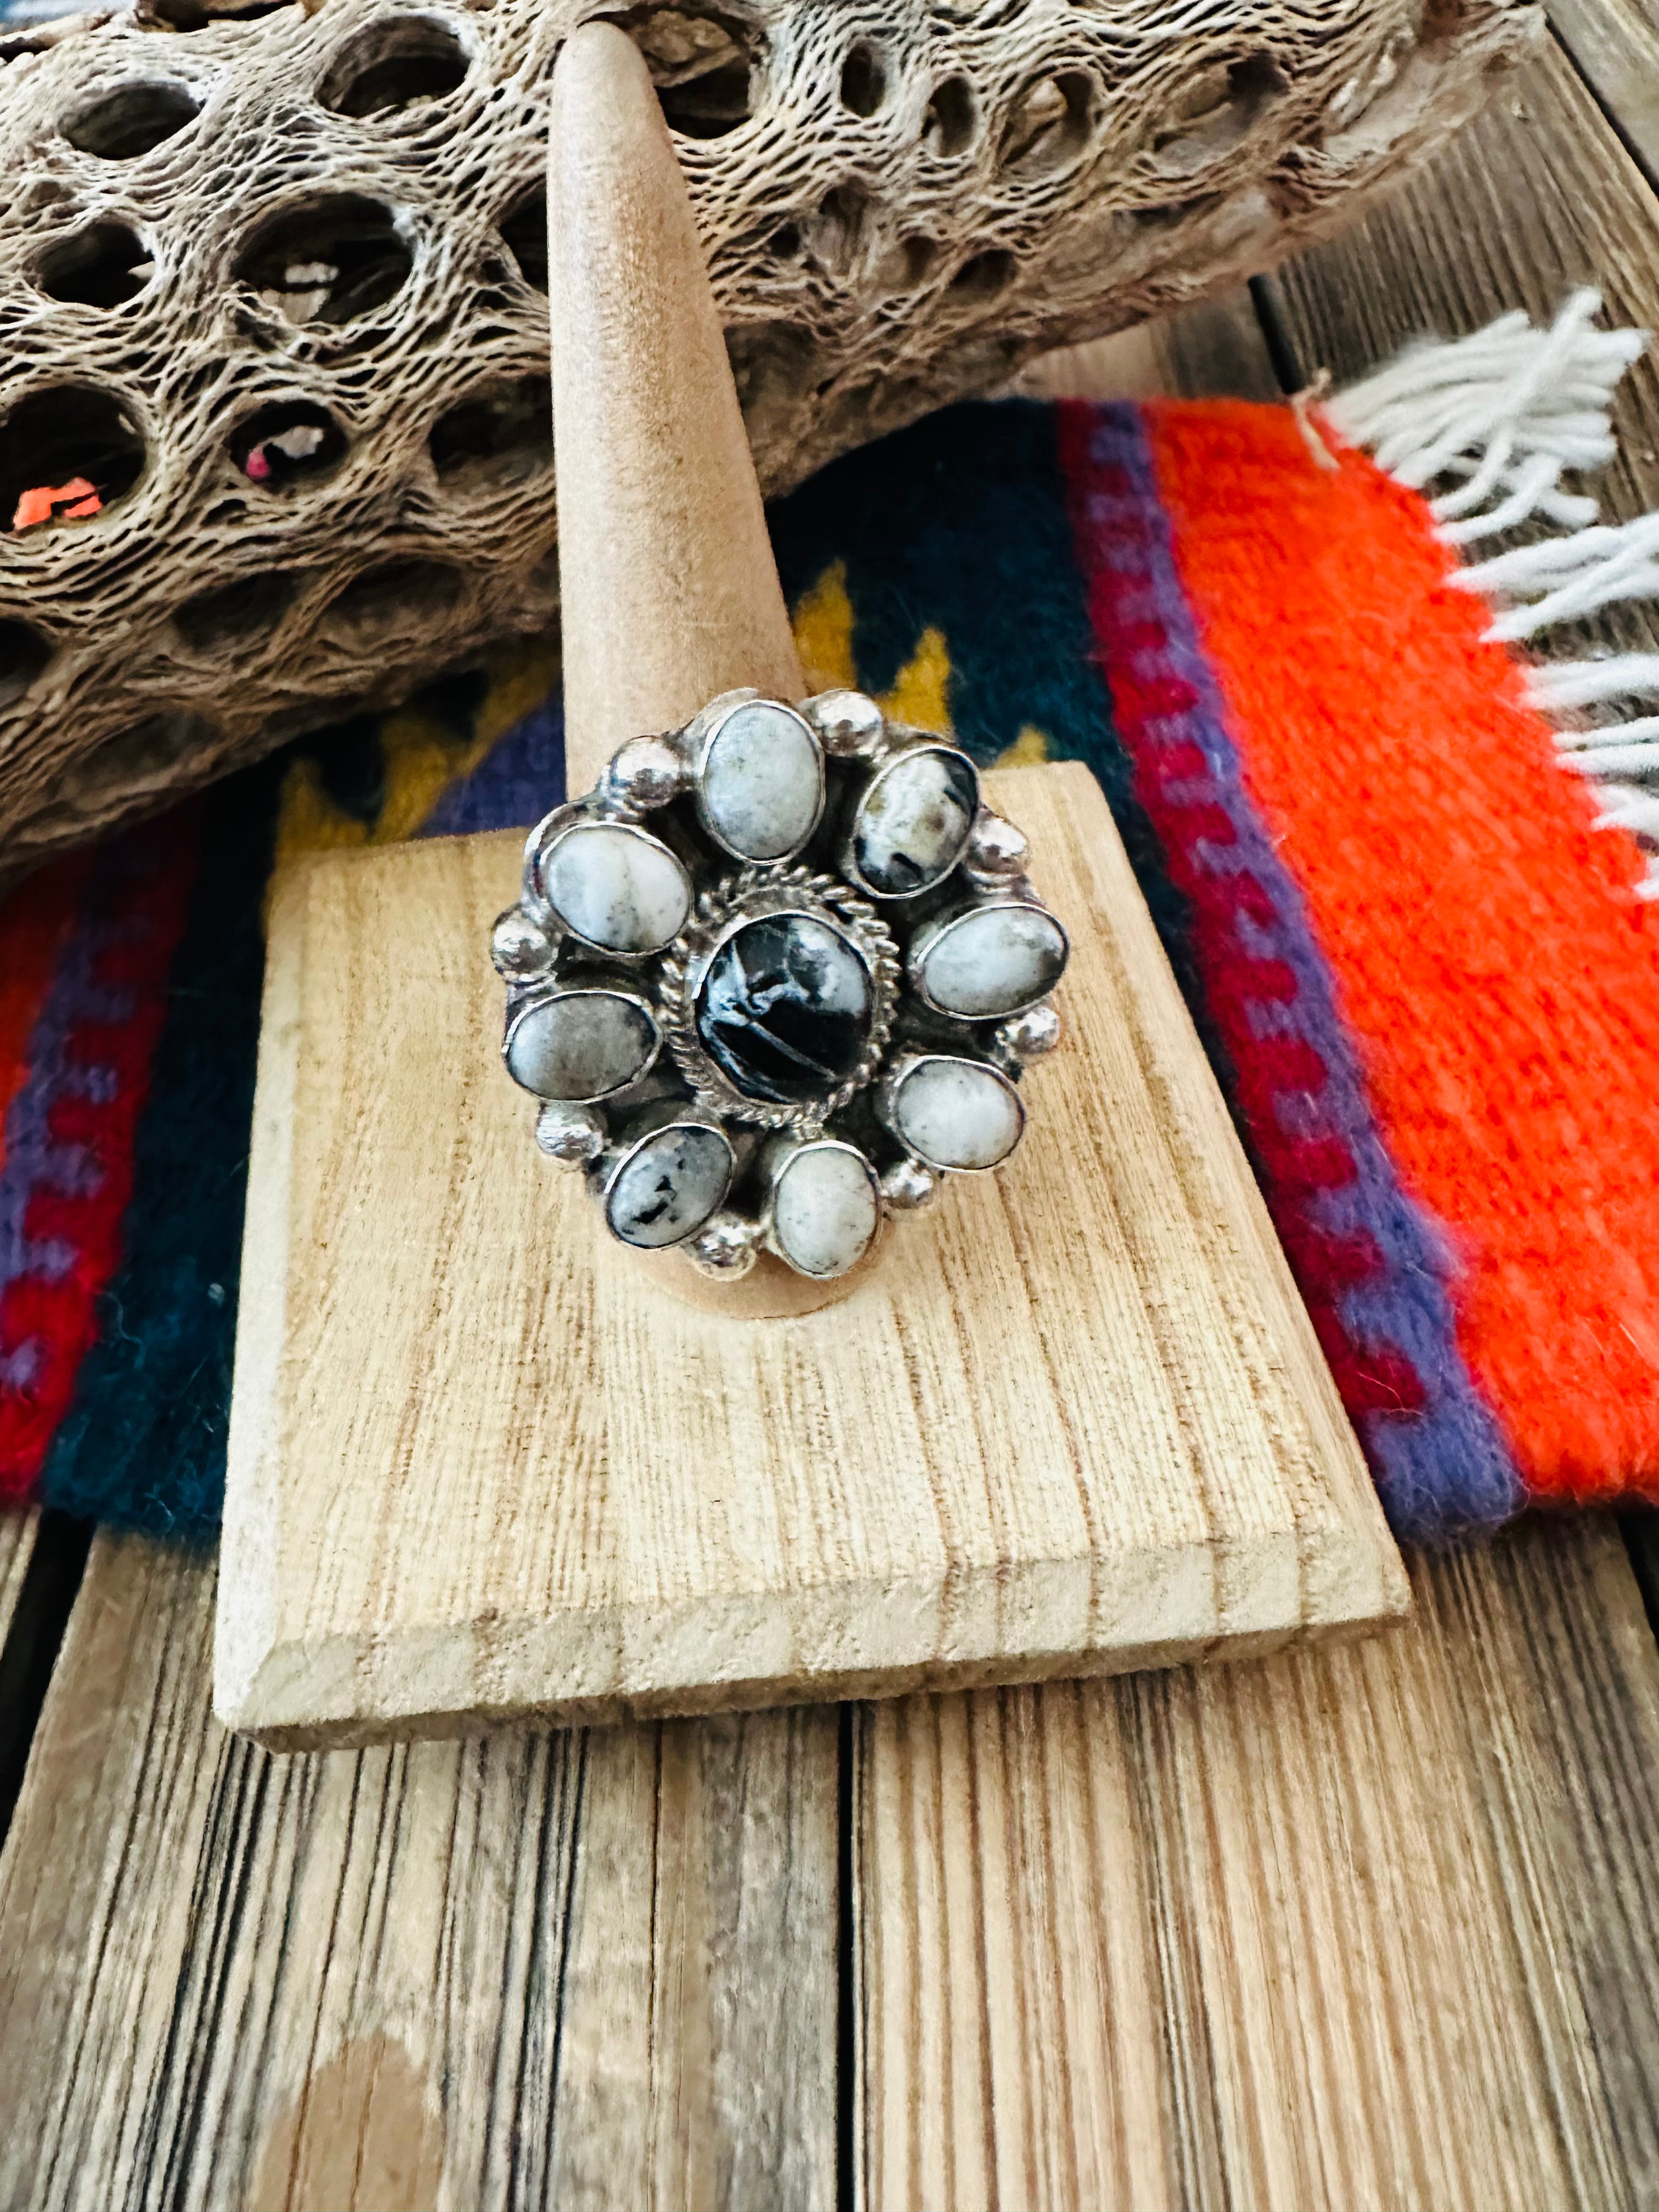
<point x="35" y="920"/>
<point x="1499" y="977"/>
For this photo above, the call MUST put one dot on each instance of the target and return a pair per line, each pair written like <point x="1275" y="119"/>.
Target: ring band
<point x="774" y="977"/>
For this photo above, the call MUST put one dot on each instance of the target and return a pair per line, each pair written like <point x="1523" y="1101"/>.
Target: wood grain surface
<point x="1504" y="2000"/>
<point x="1614" y="43"/>
<point x="1366" y="1928"/>
<point x="17" y="1548"/>
<point x="479" y="1469"/>
<point x="571" y="1970"/>
<point x="1214" y="346"/>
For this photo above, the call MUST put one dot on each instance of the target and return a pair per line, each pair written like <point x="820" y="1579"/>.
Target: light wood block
<point x="482" y="1466"/>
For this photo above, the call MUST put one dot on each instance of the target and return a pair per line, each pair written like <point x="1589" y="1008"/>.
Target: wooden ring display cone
<point x="483" y="1467"/>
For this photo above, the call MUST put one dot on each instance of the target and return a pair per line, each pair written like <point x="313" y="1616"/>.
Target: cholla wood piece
<point x="481" y="1467"/>
<point x="216" y="211"/>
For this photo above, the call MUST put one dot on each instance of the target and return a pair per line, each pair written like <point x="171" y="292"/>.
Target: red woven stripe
<point x="1499" y="977"/>
<point x="49" y="1316"/>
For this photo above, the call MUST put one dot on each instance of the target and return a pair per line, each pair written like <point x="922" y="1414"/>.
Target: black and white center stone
<point x="785" y="1008"/>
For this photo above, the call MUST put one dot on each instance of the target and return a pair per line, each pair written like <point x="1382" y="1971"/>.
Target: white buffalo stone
<point x="761" y="788"/>
<point x="992" y="961"/>
<point x="956" y="1113"/>
<point x="583" y="1044"/>
<point x="617" y="887"/>
<point x="669" y="1185"/>
<point x="913" y="823"/>
<point x="825" y="1209"/>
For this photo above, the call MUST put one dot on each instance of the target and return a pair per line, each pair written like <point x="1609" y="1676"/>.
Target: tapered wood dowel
<point x="670" y="594"/>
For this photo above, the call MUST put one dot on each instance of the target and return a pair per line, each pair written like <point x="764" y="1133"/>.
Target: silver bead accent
<point x="726" y="1245"/>
<point x="907" y="1185"/>
<point x="644" y="774"/>
<point x="520" y="948"/>
<point x="1030" y="1035"/>
<point x="847" y="721"/>
<point x="997" y="848"/>
<point x="573" y="1135"/>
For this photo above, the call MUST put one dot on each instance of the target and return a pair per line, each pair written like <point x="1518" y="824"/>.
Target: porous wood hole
<point x="120" y="124"/>
<point x="288" y="445"/>
<point x="395" y="64"/>
<point x="67" y="452"/>
<point x="233" y="613"/>
<point x="495" y="437"/>
<point x="24" y="656"/>
<point x="100" y="265"/>
<point x="702" y="61"/>
<point x="328" y="257"/>
<point x="199" y="14"/>
<point x="1220" y="108"/>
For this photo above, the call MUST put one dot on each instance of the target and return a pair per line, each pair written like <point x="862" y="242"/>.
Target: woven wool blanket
<point x="1400" y="868"/>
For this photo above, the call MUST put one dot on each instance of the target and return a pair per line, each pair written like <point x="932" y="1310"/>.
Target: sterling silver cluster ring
<point x="774" y="977"/>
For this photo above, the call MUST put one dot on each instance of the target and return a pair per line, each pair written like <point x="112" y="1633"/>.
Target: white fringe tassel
<point x="1507" y="411"/>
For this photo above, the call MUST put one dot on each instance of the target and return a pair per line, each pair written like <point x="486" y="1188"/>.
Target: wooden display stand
<point x="485" y="1466"/>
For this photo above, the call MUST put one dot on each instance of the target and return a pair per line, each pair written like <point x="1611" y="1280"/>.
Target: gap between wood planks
<point x="1614" y="47"/>
<point x="42" y="1557"/>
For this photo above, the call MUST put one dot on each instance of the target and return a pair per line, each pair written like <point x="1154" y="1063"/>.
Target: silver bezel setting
<point x="525" y="1002"/>
<point x="708" y="737"/>
<point x="926" y="940"/>
<point x="910" y="1064"/>
<point x="782" y="1156"/>
<point x="660" y="779"/>
<point x="882" y="765"/>
<point x="544" y="840"/>
<point x="614" y="1162"/>
<point x="753" y="896"/>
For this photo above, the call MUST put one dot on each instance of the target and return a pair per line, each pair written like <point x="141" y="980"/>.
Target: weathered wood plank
<point x="1536" y="198"/>
<point x="1213" y="347"/>
<point x="1614" y="44"/>
<point x="1364" y="1928"/>
<point x="17" y="1532"/>
<point x="566" y="1969"/>
<point x="41" y="1558"/>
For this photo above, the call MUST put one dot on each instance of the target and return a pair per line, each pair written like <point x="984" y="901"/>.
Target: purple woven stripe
<point x="1444" y="1466"/>
<point x="35" y="1159"/>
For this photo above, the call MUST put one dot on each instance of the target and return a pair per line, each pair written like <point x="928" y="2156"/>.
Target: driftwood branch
<point x="272" y="290"/>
